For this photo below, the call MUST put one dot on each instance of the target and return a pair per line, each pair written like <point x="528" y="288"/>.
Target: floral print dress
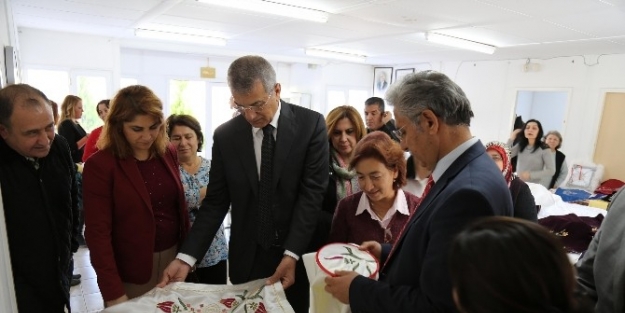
<point x="192" y="184"/>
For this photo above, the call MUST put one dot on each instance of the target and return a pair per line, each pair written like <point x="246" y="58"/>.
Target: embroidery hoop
<point x="352" y="259"/>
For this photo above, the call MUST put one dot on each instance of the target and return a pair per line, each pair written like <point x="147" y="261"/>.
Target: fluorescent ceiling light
<point x="192" y="38"/>
<point x="336" y="55"/>
<point x="459" y="43"/>
<point x="268" y="7"/>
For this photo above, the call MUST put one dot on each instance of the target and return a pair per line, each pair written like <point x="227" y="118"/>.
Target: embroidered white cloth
<point x="330" y="258"/>
<point x="251" y="297"/>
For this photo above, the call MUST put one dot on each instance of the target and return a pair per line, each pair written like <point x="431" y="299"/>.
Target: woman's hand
<point x="372" y="247"/>
<point x="525" y="176"/>
<point x="515" y="133"/>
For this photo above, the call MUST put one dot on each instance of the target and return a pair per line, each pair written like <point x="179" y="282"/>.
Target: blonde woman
<point x="70" y="129"/>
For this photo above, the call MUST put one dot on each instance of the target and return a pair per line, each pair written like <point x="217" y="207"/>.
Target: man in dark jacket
<point x="39" y="200"/>
<point x="378" y="119"/>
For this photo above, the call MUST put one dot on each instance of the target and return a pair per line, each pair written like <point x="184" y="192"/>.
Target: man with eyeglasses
<point x="433" y="116"/>
<point x="378" y="119"/>
<point x="264" y="242"/>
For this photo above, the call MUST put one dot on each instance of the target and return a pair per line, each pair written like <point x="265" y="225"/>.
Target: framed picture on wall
<point x="400" y="73"/>
<point x="382" y="79"/>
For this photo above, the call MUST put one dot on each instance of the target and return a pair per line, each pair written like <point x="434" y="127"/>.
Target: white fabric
<point x="251" y="297"/>
<point x="320" y="300"/>
<point x="415" y="186"/>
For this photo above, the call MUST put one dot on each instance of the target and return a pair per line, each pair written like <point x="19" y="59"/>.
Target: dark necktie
<point x="266" y="228"/>
<point x="426" y="190"/>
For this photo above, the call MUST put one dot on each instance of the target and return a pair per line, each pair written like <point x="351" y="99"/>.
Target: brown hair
<point x="55" y="111"/>
<point x="188" y="121"/>
<point x="125" y="106"/>
<point x="67" y="107"/>
<point x="349" y="112"/>
<point x="505" y="264"/>
<point x="378" y="145"/>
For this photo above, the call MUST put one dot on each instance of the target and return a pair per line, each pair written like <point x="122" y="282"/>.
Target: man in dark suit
<point x="298" y="183"/>
<point x="433" y="116"/>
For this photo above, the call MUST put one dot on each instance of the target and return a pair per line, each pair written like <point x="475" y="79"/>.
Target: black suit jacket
<point x="300" y="177"/>
<point x="416" y="278"/>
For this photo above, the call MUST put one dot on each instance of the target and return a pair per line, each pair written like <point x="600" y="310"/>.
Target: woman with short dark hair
<point x="185" y="133"/>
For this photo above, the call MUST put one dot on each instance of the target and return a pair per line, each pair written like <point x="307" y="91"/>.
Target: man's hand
<point x="372" y="247"/>
<point x="284" y="273"/>
<point x="119" y="300"/>
<point x="338" y="286"/>
<point x="176" y="271"/>
<point x="386" y="117"/>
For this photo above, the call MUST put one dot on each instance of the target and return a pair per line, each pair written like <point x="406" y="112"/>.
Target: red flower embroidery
<point x="165" y="306"/>
<point x="261" y="308"/>
<point x="228" y="302"/>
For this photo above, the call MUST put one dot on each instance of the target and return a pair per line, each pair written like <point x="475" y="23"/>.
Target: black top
<point x="73" y="132"/>
<point x="40" y="211"/>
<point x="559" y="160"/>
<point x="388" y="128"/>
<point x="523" y="200"/>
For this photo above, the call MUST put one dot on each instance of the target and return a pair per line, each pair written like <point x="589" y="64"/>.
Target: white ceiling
<point x="386" y="31"/>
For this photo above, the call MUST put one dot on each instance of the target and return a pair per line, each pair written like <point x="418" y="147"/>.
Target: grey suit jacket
<point x="601" y="271"/>
<point x="300" y="178"/>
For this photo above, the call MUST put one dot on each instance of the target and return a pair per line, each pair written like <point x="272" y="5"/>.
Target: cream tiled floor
<point x="85" y="297"/>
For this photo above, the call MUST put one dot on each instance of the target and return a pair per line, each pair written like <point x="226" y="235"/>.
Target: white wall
<point x="44" y="49"/>
<point x="492" y="88"/>
<point x="8" y="36"/>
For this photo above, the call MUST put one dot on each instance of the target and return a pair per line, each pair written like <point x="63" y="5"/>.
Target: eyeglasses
<point x="254" y="107"/>
<point x="399" y="133"/>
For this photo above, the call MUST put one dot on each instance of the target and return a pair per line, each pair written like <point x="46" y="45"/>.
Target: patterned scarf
<point x="346" y="180"/>
<point x="504" y="152"/>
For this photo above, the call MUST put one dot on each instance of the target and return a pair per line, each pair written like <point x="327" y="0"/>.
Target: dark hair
<point x="10" y="94"/>
<point x="188" y="121"/>
<point x="55" y="111"/>
<point x="524" y="142"/>
<point x="127" y="104"/>
<point x="504" y="264"/>
<point x="106" y="102"/>
<point x="376" y="100"/>
<point x="378" y="145"/>
<point x="430" y="90"/>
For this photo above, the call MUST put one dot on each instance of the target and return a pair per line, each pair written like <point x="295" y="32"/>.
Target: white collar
<point x="399" y="205"/>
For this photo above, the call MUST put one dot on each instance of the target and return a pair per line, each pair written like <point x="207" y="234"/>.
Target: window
<point x="91" y="89"/>
<point x="54" y="84"/>
<point x="337" y="96"/>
